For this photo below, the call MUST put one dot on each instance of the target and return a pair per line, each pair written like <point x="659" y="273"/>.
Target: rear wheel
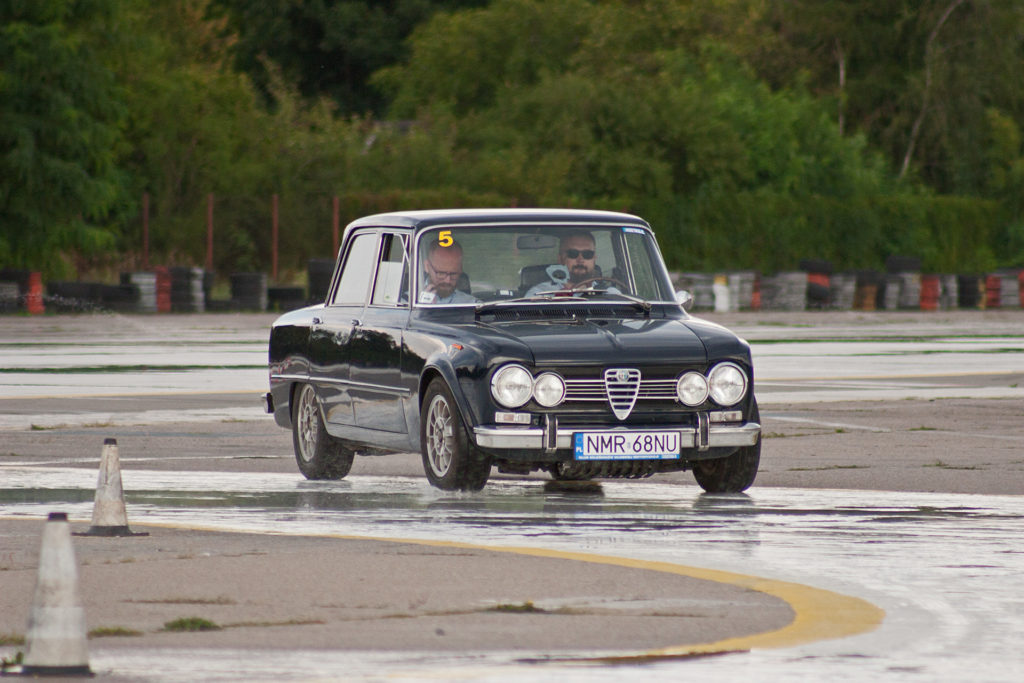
<point x="450" y="460"/>
<point x="318" y="454"/>
<point x="734" y="473"/>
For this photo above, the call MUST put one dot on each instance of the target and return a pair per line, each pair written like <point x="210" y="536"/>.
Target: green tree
<point x="61" y="115"/>
<point x="328" y="48"/>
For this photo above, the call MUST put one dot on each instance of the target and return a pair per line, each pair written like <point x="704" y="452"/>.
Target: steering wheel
<point x="583" y="283"/>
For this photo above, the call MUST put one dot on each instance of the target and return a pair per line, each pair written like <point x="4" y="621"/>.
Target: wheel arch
<point x="446" y="371"/>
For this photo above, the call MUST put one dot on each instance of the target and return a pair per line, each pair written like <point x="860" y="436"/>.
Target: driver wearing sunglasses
<point x="577" y="253"/>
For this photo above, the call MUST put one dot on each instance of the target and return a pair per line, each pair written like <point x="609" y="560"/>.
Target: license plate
<point x="626" y="445"/>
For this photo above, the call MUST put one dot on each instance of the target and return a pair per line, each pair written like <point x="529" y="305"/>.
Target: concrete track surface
<point x="878" y="541"/>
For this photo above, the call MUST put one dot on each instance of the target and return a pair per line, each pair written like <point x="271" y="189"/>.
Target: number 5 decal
<point x="445" y="238"/>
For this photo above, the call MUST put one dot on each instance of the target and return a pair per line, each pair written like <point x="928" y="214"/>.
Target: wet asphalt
<point x="892" y="472"/>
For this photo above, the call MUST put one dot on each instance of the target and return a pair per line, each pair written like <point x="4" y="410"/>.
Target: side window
<point x="358" y="269"/>
<point x="391" y="288"/>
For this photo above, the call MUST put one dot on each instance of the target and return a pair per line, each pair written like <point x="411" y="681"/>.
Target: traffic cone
<point x="108" y="513"/>
<point x="56" y="625"/>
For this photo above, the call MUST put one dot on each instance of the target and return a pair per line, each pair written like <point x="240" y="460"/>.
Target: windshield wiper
<point x="643" y="304"/>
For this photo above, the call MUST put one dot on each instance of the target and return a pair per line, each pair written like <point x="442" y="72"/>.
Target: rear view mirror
<point x="536" y="242"/>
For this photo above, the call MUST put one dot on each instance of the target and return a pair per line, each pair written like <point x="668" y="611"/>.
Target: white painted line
<point x="146" y="417"/>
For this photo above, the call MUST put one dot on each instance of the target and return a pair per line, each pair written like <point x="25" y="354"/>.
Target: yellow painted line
<point x="819" y="614"/>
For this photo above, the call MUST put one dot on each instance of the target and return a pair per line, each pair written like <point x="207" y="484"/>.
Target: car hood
<point x="588" y="341"/>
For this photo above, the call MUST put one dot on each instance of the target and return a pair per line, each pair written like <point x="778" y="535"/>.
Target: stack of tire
<point x="282" y="298"/>
<point x="700" y="286"/>
<point x="73" y="296"/>
<point x="122" y="298"/>
<point x="819" y="272"/>
<point x="319" y="272"/>
<point x="146" y="285"/>
<point x="1002" y="290"/>
<point x="786" y="291"/>
<point x="10" y="297"/>
<point x="865" y="293"/>
<point x="249" y="291"/>
<point x="901" y="287"/>
<point x="741" y="289"/>
<point x="187" y="294"/>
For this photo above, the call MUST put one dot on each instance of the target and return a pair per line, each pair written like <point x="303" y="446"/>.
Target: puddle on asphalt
<point x="946" y="568"/>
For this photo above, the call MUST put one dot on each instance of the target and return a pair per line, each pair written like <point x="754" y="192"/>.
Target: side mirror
<point x="684" y="299"/>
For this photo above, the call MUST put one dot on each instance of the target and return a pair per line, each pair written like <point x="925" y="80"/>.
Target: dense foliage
<point x="752" y="133"/>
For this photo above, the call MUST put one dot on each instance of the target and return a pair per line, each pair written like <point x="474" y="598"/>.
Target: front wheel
<point x="450" y="460"/>
<point x="734" y="473"/>
<point x="318" y="454"/>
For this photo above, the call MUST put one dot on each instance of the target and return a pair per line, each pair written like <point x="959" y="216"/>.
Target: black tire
<point x="318" y="454"/>
<point x="450" y="460"/>
<point x="567" y="471"/>
<point x="733" y="473"/>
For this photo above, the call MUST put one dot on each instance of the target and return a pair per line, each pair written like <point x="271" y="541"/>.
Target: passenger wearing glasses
<point x="577" y="254"/>
<point x="443" y="266"/>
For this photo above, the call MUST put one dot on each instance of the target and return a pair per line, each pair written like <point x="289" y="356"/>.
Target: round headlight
<point x="728" y="384"/>
<point x="692" y="389"/>
<point x="511" y="386"/>
<point x="549" y="389"/>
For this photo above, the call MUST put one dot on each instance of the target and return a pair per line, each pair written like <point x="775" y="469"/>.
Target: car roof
<point x="431" y="218"/>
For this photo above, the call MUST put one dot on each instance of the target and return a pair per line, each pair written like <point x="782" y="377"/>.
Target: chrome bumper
<point x="717" y="436"/>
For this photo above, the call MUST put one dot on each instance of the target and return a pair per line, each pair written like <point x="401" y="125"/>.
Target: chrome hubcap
<point x="308" y="423"/>
<point x="439" y="436"/>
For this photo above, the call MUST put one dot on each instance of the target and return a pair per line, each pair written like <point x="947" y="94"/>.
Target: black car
<point x="522" y="339"/>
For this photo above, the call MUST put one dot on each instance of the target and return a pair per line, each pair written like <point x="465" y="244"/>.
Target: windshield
<point x="477" y="264"/>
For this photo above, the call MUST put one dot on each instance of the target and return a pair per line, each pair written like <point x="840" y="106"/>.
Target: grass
<point x="288" y="622"/>
<point x="113" y="632"/>
<point x="222" y="600"/>
<point x="946" y="466"/>
<point x="191" y="624"/>
<point x="923" y="429"/>
<point x="11" y="639"/>
<point x="827" y="468"/>
<point x="16" y="660"/>
<point x="522" y="608"/>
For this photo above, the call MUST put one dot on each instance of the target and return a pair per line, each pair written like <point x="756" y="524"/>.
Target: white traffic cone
<point x="109" y="517"/>
<point x="56" y="625"/>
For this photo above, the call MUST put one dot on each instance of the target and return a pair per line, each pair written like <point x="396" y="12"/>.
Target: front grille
<point x="622" y="386"/>
<point x="594" y="390"/>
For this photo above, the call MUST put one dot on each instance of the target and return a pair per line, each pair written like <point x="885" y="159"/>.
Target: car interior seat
<point x="534" y="275"/>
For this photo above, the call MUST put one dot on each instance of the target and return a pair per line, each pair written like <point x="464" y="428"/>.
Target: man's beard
<point x="578" y="273"/>
<point x="444" y="290"/>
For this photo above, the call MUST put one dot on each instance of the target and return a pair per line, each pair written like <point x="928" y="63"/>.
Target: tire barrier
<point x="29" y="297"/>
<point x="741" y="289"/>
<point x="10" y="297"/>
<point x="842" y="291"/>
<point x="930" y="290"/>
<point x="146" y="285"/>
<point x="699" y="285"/>
<point x="784" y="292"/>
<point x="865" y="294"/>
<point x="163" y="290"/>
<point x="949" y="292"/>
<point x="969" y="291"/>
<point x="249" y="291"/>
<point x="187" y="295"/>
<point x="319" y="272"/>
<point x="285" y="298"/>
